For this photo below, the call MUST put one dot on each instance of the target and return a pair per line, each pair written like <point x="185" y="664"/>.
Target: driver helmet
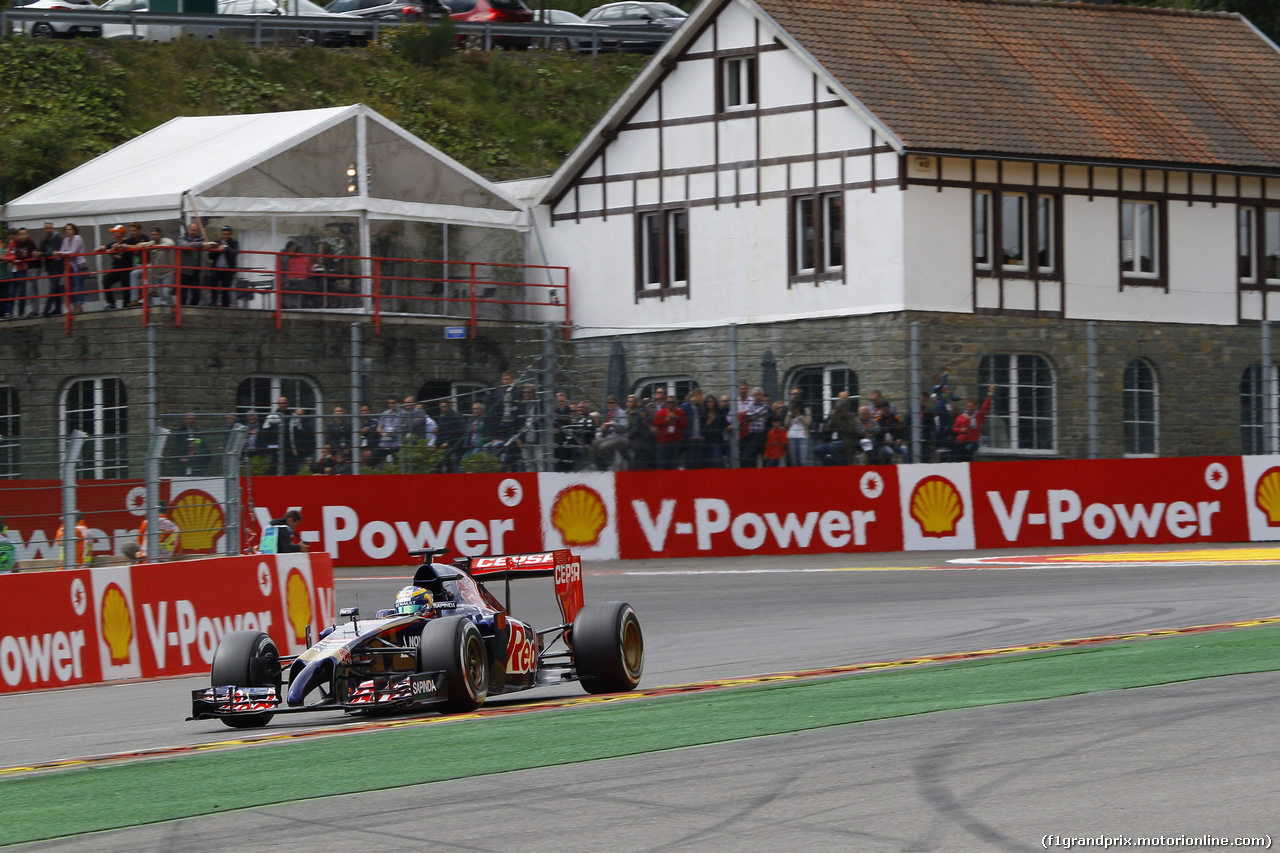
<point x="412" y="599"/>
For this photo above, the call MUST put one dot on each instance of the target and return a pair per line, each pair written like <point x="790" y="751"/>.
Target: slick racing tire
<point x="454" y="646"/>
<point x="247" y="659"/>
<point x="608" y="647"/>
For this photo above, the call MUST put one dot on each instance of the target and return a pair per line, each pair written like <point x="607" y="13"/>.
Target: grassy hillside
<point x="506" y="115"/>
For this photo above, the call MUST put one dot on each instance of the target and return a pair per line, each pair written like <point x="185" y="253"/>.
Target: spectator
<point x="504" y="408"/>
<point x="714" y="424"/>
<point x="337" y="431"/>
<point x="52" y="264"/>
<point x="694" y="449"/>
<point x="23" y="257"/>
<point x="417" y="422"/>
<point x="797" y="422"/>
<point x="158" y="265"/>
<point x="640" y="437"/>
<point x="370" y="440"/>
<point x="275" y="430"/>
<point x="753" y="423"/>
<point x="578" y="435"/>
<point x="392" y="426"/>
<point x="71" y="251"/>
<point x="117" y="277"/>
<point x="189" y="262"/>
<point x="451" y="429"/>
<point x="669" y="425"/>
<point x="941" y="409"/>
<point x="842" y="426"/>
<point x="326" y="462"/>
<point x="893" y="445"/>
<point x="868" y="435"/>
<point x="223" y="258"/>
<point x="474" y="437"/>
<point x="193" y="452"/>
<point x="297" y="276"/>
<point x="255" y="445"/>
<point x="527" y="430"/>
<point x="775" y="442"/>
<point x="609" y="450"/>
<point x="301" y="439"/>
<point x="968" y="427"/>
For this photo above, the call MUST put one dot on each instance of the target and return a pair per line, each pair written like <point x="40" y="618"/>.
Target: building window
<point x="1015" y="232"/>
<point x="1247" y="245"/>
<point x="260" y="393"/>
<point x="677" y="387"/>
<point x="1257" y="431"/>
<point x="820" y="388"/>
<point x="1021" y="414"/>
<point x="738" y="76"/>
<point x="99" y="409"/>
<point x="461" y="394"/>
<point x="817" y="235"/>
<point x="10" y="433"/>
<point x="1140" y="239"/>
<point x="1141" y="396"/>
<point x="664" y="251"/>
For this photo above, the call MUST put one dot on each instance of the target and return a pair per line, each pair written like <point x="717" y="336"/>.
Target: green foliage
<point x="418" y="457"/>
<point x="259" y="466"/>
<point x="420" y="45"/>
<point x="481" y="463"/>
<point x="505" y="115"/>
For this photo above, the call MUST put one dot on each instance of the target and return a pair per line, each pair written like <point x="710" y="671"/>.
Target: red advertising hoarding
<point x="49" y="635"/>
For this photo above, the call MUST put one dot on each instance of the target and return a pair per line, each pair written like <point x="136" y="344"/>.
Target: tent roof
<point x="151" y="173"/>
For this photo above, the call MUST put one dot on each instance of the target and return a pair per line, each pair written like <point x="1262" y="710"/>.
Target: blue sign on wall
<point x="455" y="333"/>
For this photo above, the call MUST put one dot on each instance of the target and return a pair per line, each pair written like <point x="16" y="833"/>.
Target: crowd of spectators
<point x="508" y="425"/>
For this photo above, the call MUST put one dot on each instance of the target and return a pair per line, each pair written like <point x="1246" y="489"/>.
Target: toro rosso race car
<point x="447" y="646"/>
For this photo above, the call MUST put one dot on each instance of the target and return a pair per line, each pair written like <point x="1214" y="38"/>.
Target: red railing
<point x="469" y="291"/>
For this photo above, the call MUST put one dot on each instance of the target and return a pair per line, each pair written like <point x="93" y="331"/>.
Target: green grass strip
<point x="105" y="797"/>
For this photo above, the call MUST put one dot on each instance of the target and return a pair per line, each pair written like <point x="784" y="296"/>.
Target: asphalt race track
<point x="1194" y="759"/>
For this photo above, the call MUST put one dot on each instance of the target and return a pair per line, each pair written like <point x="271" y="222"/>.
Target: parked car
<point x="386" y="10"/>
<point x="495" y="11"/>
<point x="54" y="28"/>
<point x="561" y="18"/>
<point x="170" y="32"/>
<point x="638" y="16"/>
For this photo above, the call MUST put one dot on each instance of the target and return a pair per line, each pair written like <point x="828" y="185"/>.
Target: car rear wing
<point x="562" y="565"/>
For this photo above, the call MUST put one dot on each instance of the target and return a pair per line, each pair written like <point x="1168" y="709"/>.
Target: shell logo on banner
<point x="117" y="633"/>
<point x="1262" y="496"/>
<point x="200" y="517"/>
<point x="297" y="598"/>
<point x="937" y="507"/>
<point x="579" y="511"/>
<point x="294" y="588"/>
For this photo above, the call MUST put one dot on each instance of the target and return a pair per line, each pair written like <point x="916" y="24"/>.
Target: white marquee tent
<point x="346" y="177"/>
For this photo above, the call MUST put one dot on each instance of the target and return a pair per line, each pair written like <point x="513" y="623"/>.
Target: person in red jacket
<point x="968" y="428"/>
<point x="669" y="424"/>
<point x="775" y="444"/>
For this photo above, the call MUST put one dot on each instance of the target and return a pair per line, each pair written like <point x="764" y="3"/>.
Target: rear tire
<point x="453" y="645"/>
<point x="247" y="659"/>
<point x="41" y="30"/>
<point x="608" y="647"/>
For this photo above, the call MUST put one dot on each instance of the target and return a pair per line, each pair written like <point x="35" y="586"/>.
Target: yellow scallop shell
<point x="1267" y="495"/>
<point x="117" y="624"/>
<point x="936" y="506"/>
<point x="579" y="515"/>
<point x="298" y="599"/>
<point x="200" y="519"/>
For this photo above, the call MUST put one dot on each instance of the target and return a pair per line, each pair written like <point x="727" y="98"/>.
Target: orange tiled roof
<point x="1019" y="77"/>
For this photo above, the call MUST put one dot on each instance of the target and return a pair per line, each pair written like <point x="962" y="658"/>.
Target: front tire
<point x="608" y="647"/>
<point x="247" y="659"/>
<point x="41" y="30"/>
<point x="454" y="646"/>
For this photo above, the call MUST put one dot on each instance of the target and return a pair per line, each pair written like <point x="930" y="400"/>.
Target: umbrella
<point x="615" y="382"/>
<point x="769" y="377"/>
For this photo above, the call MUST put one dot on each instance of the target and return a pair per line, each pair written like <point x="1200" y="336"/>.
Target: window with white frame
<point x="1021" y="415"/>
<point x="664" y="250"/>
<point x="1246" y="245"/>
<point x="1141" y="409"/>
<point x="820" y="387"/>
<point x="738" y="77"/>
<point x="1258" y="414"/>
<point x="675" y="386"/>
<point x="461" y="394"/>
<point x="98" y="407"/>
<point x="10" y="432"/>
<point x="817" y="234"/>
<point x="1015" y="232"/>
<point x="1140" y="239"/>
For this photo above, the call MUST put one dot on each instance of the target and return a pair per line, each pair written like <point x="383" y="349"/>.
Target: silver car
<point x="55" y="28"/>
<point x="169" y="32"/>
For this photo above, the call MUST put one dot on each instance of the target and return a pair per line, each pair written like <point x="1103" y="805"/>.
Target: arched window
<point x="1141" y="409"/>
<point x="1021" y="415"/>
<point x="820" y="386"/>
<point x="98" y="408"/>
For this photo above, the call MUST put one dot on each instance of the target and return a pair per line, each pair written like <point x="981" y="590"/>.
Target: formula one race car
<point x="447" y="646"/>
